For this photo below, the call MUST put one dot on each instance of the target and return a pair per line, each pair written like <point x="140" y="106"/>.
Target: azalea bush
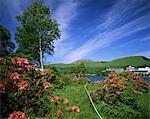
<point x="26" y="89"/>
<point x="119" y="92"/>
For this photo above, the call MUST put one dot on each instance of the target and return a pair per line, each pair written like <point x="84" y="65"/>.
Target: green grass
<point x="76" y="95"/>
<point x="144" y="103"/>
<point x="92" y="66"/>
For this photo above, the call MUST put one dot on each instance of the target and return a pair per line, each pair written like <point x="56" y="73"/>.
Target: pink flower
<point x="22" y="85"/>
<point x="16" y="60"/>
<point x="28" y="67"/>
<point x="2" y="58"/>
<point x="25" y="61"/>
<point x="2" y="88"/>
<point x="106" y="88"/>
<point x="47" y="85"/>
<point x="48" y="115"/>
<point x="37" y="94"/>
<point x="17" y="115"/>
<point x="122" y="87"/>
<point x="111" y="80"/>
<point x="113" y="85"/>
<point x="14" y="75"/>
<point x="55" y="98"/>
<point x="65" y="101"/>
<point x="75" y="109"/>
<point x="20" y="61"/>
<point x="99" y="82"/>
<point x="19" y="69"/>
<point x="59" y="112"/>
<point x="38" y="82"/>
<point x="47" y="71"/>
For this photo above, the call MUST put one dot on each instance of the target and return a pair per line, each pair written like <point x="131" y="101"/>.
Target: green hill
<point x="92" y="66"/>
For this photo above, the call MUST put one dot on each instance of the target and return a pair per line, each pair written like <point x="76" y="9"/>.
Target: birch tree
<point x="37" y="32"/>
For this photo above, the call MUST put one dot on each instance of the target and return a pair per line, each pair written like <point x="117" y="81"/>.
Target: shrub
<point x="24" y="88"/>
<point x="121" y="90"/>
<point x="82" y="81"/>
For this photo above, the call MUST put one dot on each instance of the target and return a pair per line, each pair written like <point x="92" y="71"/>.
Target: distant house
<point x="118" y="70"/>
<point x="130" y="68"/>
<point x="145" y="70"/>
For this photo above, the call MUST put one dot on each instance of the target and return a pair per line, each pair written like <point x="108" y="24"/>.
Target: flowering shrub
<point x="120" y="90"/>
<point x="17" y="115"/>
<point x="26" y="89"/>
<point x="2" y="88"/>
<point x="75" y="109"/>
<point x="99" y="82"/>
<point x="65" y="101"/>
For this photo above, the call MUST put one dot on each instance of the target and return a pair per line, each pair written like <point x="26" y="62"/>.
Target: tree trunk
<point x="41" y="58"/>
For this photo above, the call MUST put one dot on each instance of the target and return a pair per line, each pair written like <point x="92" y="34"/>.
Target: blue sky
<point x="91" y="29"/>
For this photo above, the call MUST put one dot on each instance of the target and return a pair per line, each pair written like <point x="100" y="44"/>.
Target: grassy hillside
<point x="92" y="66"/>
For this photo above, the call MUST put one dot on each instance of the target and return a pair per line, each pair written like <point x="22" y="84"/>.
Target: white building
<point x="115" y="70"/>
<point x="146" y="69"/>
<point x="130" y="68"/>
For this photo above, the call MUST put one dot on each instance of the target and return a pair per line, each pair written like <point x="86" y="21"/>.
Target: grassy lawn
<point x="76" y="94"/>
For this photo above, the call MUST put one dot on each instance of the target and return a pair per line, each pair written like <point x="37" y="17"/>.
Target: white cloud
<point x="106" y="33"/>
<point x="65" y="13"/>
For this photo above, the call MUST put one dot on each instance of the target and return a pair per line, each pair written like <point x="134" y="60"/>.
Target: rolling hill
<point x="92" y="66"/>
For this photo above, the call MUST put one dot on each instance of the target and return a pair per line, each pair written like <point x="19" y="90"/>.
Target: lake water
<point x="101" y="78"/>
<point x="96" y="78"/>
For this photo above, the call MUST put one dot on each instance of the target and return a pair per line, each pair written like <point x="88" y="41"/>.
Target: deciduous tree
<point x="6" y="45"/>
<point x="38" y="31"/>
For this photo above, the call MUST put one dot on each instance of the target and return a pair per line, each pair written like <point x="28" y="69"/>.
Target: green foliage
<point x="6" y="45"/>
<point x="117" y="111"/>
<point x="83" y="81"/>
<point x="66" y="79"/>
<point x="37" y="24"/>
<point x="79" y="69"/>
<point x="102" y="72"/>
<point x="20" y="54"/>
<point x="117" y="96"/>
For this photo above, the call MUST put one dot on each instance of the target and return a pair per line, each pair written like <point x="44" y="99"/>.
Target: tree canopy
<point x="6" y="45"/>
<point x="37" y="33"/>
<point x="79" y="69"/>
